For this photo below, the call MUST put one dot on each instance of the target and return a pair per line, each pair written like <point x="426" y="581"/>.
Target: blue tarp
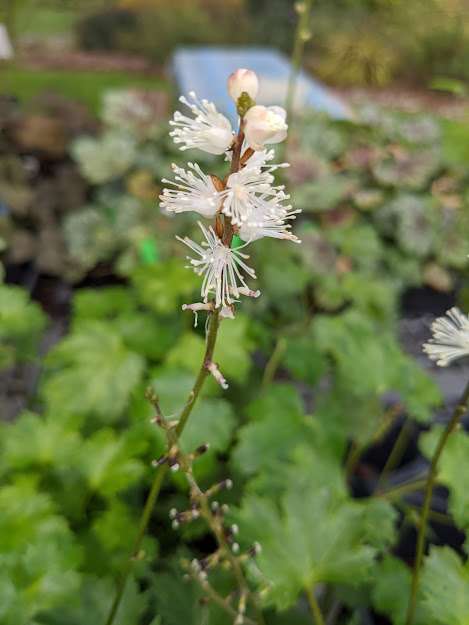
<point x="205" y="70"/>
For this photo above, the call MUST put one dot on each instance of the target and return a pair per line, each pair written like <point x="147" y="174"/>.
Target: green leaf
<point x="91" y="604"/>
<point x="231" y="350"/>
<point x="173" y="385"/>
<point x="92" y="372"/>
<point x="357" y="344"/>
<point x="148" y="335"/>
<point x="187" y="353"/>
<point x="110" y="540"/>
<point x="164" y="286"/>
<point x="212" y="421"/>
<point x="21" y="324"/>
<point x="315" y="538"/>
<point x="277" y="427"/>
<point x="323" y="194"/>
<point x="108" y="462"/>
<point x="391" y="589"/>
<point x="39" y="555"/>
<point x="445" y="588"/>
<point x="104" y="304"/>
<point x="32" y="440"/>
<point x="303" y="360"/>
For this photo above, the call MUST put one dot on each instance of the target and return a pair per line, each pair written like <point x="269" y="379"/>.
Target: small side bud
<point x="255" y="550"/>
<point x="217" y="374"/>
<point x="202" y="449"/>
<point x="198" y="306"/>
<point x="235" y="548"/>
<point x="248" y="292"/>
<point x="217" y="183"/>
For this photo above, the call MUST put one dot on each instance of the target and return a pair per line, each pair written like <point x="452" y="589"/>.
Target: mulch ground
<point x="40" y="58"/>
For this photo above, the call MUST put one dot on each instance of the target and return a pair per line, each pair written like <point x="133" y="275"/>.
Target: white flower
<point x="208" y="130"/>
<point x="250" y="191"/>
<point x="193" y="191"/>
<point x="243" y="81"/>
<point x="450" y="338"/>
<point x="220" y="267"/>
<point x="265" y="223"/>
<point x="241" y="192"/>
<point x="265" y="125"/>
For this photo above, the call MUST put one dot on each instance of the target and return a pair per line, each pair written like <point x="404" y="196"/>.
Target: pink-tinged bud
<point x="265" y="124"/>
<point x="243" y="81"/>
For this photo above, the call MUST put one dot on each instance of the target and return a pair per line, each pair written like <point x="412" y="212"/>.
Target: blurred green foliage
<point x="86" y="87"/>
<point x="73" y="477"/>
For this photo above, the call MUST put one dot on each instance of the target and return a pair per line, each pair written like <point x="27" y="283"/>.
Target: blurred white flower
<point x="243" y="81"/>
<point x="208" y="130"/>
<point x="220" y="267"/>
<point x="193" y="191"/>
<point x="450" y="339"/>
<point x="265" y="125"/>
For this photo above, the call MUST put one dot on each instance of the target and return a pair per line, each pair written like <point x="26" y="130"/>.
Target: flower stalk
<point x="449" y="342"/>
<point x="162" y="469"/>
<point x="452" y="425"/>
<point x="245" y="204"/>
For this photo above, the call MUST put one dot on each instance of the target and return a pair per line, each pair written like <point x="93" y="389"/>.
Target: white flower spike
<point x="450" y="339"/>
<point x="246" y="202"/>
<point x="193" y="191"/>
<point x="220" y="266"/>
<point x="265" y="125"/>
<point x="208" y="130"/>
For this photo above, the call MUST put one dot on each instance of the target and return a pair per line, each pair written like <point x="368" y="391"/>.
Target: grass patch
<point x="84" y="86"/>
<point x="45" y="21"/>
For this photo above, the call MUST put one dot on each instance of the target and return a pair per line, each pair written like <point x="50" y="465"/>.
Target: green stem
<point x="457" y="415"/>
<point x="162" y="469"/>
<point x="397" y="452"/>
<point x="301" y="36"/>
<point x="314" y="607"/>
<point x="356" y="449"/>
<point x="274" y="361"/>
<point x="403" y="489"/>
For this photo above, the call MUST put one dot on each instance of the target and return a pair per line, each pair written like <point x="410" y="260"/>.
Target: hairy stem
<point x="162" y="469"/>
<point x="457" y="415"/>
<point x="318" y="618"/>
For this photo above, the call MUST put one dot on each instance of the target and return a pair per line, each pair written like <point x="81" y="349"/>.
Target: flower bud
<point x="243" y="81"/>
<point x="265" y="125"/>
